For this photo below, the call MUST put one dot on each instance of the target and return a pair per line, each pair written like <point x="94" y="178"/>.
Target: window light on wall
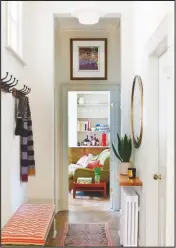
<point x="14" y="26"/>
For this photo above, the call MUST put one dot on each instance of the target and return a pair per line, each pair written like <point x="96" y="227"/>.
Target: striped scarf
<point x="27" y="146"/>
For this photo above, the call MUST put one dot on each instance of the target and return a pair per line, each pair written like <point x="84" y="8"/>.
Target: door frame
<point x="61" y="123"/>
<point x="160" y="42"/>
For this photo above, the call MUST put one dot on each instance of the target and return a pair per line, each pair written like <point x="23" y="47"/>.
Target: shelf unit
<point x="95" y="108"/>
<point x="96" y="111"/>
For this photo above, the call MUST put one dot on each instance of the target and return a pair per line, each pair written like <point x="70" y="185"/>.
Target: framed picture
<point x="88" y="59"/>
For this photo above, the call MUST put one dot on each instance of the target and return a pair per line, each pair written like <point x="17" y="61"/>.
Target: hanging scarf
<point x="24" y="129"/>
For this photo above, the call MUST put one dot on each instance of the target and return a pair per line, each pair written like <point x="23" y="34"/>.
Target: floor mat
<point x="94" y="234"/>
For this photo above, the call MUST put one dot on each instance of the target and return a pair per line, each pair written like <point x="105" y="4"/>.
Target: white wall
<point x="13" y="191"/>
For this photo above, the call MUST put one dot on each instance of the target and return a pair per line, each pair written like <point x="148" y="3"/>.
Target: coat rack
<point x="7" y="86"/>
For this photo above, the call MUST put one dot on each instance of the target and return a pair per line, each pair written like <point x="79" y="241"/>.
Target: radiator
<point x="129" y="217"/>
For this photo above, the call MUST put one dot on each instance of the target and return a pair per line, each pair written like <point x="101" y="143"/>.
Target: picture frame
<point x="88" y="58"/>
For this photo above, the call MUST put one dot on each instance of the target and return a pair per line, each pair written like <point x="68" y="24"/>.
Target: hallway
<point x="87" y="210"/>
<point x="44" y="45"/>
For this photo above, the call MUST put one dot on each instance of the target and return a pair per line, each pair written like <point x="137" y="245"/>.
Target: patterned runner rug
<point x="94" y="234"/>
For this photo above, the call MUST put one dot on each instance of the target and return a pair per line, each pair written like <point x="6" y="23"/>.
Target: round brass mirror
<point x="137" y="111"/>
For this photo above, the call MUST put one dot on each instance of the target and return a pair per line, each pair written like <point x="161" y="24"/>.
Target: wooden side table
<point x="90" y="187"/>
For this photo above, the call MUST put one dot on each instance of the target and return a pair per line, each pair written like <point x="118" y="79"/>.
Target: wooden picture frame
<point x="88" y="59"/>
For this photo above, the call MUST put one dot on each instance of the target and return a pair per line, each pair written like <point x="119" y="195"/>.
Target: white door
<point x="158" y="194"/>
<point x="162" y="146"/>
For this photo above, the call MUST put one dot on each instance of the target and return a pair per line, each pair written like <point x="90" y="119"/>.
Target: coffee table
<point x="90" y="187"/>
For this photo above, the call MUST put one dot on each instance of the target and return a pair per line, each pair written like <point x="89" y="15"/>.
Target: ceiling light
<point x="88" y="16"/>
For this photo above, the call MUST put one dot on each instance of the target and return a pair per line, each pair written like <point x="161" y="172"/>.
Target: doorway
<point x="89" y="133"/>
<point x="67" y="27"/>
<point x="114" y="116"/>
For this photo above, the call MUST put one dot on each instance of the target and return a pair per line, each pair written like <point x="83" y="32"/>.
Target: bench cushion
<point x="29" y="225"/>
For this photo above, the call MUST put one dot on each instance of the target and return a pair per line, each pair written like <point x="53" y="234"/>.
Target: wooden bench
<point x="30" y="225"/>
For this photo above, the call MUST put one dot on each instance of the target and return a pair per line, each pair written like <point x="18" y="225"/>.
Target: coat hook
<point x="4" y="82"/>
<point x="13" y="86"/>
<point x="8" y="87"/>
<point x="5" y="76"/>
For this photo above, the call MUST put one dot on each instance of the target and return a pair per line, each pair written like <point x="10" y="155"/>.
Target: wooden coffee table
<point x="90" y="187"/>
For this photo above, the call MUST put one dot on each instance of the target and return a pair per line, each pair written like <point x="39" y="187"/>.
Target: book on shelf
<point x="83" y="126"/>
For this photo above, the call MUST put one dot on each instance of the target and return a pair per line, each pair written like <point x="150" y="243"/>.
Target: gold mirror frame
<point x="137" y="141"/>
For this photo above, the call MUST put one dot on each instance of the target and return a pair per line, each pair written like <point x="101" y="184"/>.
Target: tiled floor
<point x="87" y="209"/>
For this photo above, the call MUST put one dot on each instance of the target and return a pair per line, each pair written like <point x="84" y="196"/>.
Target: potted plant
<point x="124" y="153"/>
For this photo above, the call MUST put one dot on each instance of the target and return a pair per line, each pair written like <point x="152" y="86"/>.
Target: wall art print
<point x="88" y="59"/>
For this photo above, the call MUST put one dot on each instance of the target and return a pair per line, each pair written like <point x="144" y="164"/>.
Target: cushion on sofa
<point x="82" y="161"/>
<point x="90" y="158"/>
<point x="93" y="164"/>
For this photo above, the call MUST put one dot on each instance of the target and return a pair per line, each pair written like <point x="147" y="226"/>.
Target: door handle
<point x="157" y="177"/>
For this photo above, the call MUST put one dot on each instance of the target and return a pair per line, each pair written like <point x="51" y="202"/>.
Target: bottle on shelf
<point x="104" y="142"/>
<point x="97" y="142"/>
<point x="94" y="140"/>
<point x="91" y="141"/>
<point x="87" y="141"/>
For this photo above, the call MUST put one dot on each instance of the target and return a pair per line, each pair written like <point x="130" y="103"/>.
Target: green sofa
<point x="85" y="172"/>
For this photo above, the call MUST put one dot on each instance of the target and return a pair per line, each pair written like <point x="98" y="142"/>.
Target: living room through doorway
<point x="89" y="150"/>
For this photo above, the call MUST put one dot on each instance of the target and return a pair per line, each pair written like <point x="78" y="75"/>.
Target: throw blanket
<point x="27" y="144"/>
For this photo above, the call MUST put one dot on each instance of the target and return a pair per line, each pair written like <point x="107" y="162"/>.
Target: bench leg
<point x="55" y="231"/>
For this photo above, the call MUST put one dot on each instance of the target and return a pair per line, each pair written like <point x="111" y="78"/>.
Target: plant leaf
<point x="127" y="149"/>
<point x="120" y="144"/>
<point x="116" y="153"/>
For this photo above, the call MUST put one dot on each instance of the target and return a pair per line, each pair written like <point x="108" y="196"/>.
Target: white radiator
<point x="129" y="217"/>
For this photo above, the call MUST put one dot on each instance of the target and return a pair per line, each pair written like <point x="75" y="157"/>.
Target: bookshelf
<point x="89" y="118"/>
